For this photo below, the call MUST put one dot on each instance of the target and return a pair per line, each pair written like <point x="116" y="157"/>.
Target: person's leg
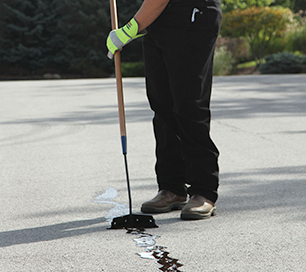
<point x="170" y="167"/>
<point x="188" y="49"/>
<point x="185" y="51"/>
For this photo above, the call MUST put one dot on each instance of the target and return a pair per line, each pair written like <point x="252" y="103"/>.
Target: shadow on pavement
<point x="249" y="100"/>
<point x="247" y="191"/>
<point x="279" y="188"/>
<point x="51" y="232"/>
<point x="96" y="115"/>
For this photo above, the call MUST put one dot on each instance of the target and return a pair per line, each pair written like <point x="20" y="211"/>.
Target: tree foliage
<point x="229" y="5"/>
<point x="68" y="36"/>
<point x="259" y="25"/>
<point x="29" y="25"/>
<point x="62" y="36"/>
<point x="295" y="5"/>
<point x="299" y="5"/>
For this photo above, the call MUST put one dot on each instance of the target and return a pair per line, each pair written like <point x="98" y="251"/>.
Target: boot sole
<point x="198" y="215"/>
<point x="171" y="207"/>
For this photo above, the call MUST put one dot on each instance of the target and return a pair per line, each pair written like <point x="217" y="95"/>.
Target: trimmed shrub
<point x="259" y="25"/>
<point x="283" y="63"/>
<point x="237" y="46"/>
<point x="223" y="62"/>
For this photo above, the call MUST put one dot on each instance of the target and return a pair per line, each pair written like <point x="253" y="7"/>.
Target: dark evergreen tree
<point x="62" y="36"/>
<point x="87" y="28"/>
<point x="31" y="39"/>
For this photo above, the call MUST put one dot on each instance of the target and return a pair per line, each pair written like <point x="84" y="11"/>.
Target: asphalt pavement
<point x="62" y="179"/>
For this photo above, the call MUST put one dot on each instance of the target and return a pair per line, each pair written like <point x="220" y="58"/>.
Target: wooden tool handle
<point x="114" y="18"/>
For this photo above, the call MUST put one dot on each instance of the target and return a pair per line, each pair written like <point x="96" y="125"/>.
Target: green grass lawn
<point x="246" y="64"/>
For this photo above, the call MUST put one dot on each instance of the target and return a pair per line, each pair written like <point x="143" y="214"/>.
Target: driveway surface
<point x="62" y="179"/>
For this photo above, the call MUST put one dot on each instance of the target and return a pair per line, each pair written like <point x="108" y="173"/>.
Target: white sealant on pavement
<point x="154" y="252"/>
<point x="145" y="240"/>
<point x="107" y="198"/>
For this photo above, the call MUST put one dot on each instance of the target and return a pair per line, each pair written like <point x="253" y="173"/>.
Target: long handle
<point x="114" y="18"/>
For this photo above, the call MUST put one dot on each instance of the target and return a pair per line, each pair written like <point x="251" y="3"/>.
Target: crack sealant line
<point x="154" y="252"/>
<point x="118" y="209"/>
<point x="143" y="239"/>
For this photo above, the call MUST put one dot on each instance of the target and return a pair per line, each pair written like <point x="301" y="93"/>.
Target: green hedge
<point x="283" y="63"/>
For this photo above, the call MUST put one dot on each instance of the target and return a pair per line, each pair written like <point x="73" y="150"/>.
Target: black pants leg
<point x="178" y="65"/>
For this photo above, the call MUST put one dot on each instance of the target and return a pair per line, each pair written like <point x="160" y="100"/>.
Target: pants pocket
<point x="214" y="15"/>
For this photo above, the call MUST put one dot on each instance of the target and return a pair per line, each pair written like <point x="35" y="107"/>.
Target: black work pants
<point x="178" y="54"/>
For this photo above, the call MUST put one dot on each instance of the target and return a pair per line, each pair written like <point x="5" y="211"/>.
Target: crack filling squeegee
<point x="138" y="221"/>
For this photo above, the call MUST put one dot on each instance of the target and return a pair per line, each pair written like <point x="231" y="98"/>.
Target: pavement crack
<point x="153" y="251"/>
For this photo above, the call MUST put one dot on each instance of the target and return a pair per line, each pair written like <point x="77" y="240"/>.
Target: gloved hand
<point x="122" y="36"/>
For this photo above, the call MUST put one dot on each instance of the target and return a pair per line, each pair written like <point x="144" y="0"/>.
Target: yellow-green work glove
<point x="121" y="37"/>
